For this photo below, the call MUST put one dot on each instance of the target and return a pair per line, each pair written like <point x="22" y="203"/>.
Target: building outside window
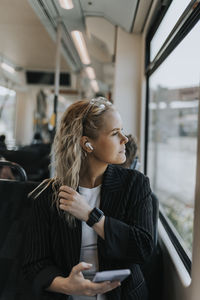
<point x="172" y="145"/>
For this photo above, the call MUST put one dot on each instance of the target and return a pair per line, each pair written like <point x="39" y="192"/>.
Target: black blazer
<point x="53" y="248"/>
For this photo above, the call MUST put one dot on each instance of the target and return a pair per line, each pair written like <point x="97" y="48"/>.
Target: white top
<point x="89" y="241"/>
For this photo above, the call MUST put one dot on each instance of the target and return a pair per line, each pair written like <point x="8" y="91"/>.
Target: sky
<point x="182" y="67"/>
<point x="173" y="13"/>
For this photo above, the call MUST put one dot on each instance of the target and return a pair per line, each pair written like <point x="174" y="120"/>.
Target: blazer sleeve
<point x="132" y="240"/>
<point x="38" y="266"/>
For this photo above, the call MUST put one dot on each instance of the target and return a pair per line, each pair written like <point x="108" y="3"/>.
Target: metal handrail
<point x="15" y="166"/>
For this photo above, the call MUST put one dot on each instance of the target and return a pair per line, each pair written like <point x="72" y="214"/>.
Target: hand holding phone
<point x="113" y="275"/>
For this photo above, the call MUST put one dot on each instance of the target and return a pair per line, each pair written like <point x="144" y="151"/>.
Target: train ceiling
<point x="28" y="30"/>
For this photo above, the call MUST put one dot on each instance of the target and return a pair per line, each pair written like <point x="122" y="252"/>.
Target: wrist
<point x="101" y="222"/>
<point x="87" y="214"/>
<point x="99" y="228"/>
<point x="65" y="286"/>
<point x="60" y="285"/>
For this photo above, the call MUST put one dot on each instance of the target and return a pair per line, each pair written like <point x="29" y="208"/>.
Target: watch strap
<point x="94" y="217"/>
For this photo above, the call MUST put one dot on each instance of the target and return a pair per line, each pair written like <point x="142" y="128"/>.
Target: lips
<point x="122" y="151"/>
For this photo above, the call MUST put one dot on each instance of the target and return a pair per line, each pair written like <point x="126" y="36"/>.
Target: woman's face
<point x="109" y="147"/>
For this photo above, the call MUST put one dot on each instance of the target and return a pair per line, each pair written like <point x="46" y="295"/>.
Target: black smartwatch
<point x="94" y="217"/>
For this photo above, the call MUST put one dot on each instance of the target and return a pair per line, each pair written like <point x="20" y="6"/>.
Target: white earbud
<point x="88" y="145"/>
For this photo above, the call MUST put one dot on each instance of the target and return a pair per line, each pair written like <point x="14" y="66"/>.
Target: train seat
<point x="14" y="213"/>
<point x="34" y="159"/>
<point x="11" y="171"/>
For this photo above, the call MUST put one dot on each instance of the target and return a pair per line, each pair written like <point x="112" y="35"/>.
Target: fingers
<point x="110" y="286"/>
<point x="65" y="195"/>
<point x="103" y="287"/>
<point x="65" y="207"/>
<point x="66" y="200"/>
<point x="81" y="267"/>
<point x="67" y="189"/>
<point x="90" y="288"/>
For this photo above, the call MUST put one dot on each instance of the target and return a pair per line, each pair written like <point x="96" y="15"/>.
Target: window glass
<point x="174" y="12"/>
<point x="7" y="115"/>
<point x="172" y="147"/>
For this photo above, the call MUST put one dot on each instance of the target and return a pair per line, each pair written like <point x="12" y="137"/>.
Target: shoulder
<point x="129" y="175"/>
<point x="133" y="182"/>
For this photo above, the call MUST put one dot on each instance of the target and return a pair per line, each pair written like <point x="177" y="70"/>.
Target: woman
<point x="92" y="215"/>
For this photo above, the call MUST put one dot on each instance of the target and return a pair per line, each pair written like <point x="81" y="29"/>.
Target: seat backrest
<point x="11" y="170"/>
<point x="15" y="208"/>
<point x="34" y="160"/>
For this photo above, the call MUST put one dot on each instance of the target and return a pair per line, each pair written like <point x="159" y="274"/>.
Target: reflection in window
<point x="172" y="147"/>
<point x="7" y="114"/>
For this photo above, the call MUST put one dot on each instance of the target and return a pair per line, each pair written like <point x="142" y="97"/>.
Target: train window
<point x="172" y="143"/>
<point x="173" y="13"/>
<point x="7" y="114"/>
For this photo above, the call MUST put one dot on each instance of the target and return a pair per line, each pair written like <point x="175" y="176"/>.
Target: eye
<point x="115" y="133"/>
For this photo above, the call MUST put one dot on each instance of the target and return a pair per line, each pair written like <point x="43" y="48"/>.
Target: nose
<point x="124" y="139"/>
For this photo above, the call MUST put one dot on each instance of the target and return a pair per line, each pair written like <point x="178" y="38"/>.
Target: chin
<point x="123" y="159"/>
<point x="119" y="161"/>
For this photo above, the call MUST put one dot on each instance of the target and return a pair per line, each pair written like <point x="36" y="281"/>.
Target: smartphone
<point x="113" y="275"/>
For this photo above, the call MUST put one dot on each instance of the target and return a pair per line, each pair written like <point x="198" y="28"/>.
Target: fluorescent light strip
<point x="81" y="47"/>
<point x="94" y="85"/>
<point x="90" y="73"/>
<point x="7" y="68"/>
<point x="66" y="4"/>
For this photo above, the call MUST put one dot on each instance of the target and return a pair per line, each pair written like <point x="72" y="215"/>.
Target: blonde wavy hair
<point x="82" y="118"/>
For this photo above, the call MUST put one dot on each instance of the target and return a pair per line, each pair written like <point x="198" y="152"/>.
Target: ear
<point x="83" y="141"/>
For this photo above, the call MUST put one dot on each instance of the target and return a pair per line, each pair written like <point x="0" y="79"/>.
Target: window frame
<point x="184" y="25"/>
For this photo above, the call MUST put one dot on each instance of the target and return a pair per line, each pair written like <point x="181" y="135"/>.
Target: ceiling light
<point x="7" y="67"/>
<point x="90" y="73"/>
<point x="66" y="4"/>
<point x="94" y="85"/>
<point x="81" y="46"/>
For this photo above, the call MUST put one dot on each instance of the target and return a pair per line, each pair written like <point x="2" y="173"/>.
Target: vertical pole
<point x="56" y="84"/>
<point x="57" y="76"/>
